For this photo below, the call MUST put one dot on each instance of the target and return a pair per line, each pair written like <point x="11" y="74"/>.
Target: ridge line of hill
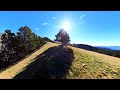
<point x="85" y="65"/>
<point x="17" y="68"/>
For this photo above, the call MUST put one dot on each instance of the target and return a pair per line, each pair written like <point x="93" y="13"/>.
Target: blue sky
<point x="97" y="28"/>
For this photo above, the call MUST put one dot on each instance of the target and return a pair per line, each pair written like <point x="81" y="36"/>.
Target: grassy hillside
<point x="92" y="65"/>
<point x="52" y="61"/>
<point x="19" y="67"/>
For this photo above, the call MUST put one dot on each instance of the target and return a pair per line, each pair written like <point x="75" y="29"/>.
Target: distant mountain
<point x="84" y="46"/>
<point x="108" y="50"/>
<point x="110" y="47"/>
<point x="103" y="47"/>
<point x="94" y="48"/>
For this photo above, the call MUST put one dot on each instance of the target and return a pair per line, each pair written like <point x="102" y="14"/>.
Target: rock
<point x="83" y="64"/>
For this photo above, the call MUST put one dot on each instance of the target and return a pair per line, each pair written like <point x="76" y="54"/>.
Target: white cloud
<point x="37" y="28"/>
<point x="45" y="23"/>
<point x="82" y="16"/>
<point x="54" y="18"/>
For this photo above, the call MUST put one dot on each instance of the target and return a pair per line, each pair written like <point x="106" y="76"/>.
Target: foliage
<point x="63" y="37"/>
<point x="15" y="47"/>
<point x="47" y="39"/>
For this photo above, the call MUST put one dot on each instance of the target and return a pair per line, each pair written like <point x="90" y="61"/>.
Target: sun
<point x="66" y="26"/>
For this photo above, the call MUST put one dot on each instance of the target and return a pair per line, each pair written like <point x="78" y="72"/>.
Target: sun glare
<point x="66" y="26"/>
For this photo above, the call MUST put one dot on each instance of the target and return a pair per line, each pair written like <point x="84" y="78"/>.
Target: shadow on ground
<point x="54" y="63"/>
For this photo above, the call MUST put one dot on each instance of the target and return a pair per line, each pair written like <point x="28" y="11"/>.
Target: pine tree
<point x="62" y="37"/>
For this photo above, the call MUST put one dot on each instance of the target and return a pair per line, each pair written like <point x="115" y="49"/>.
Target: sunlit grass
<point x="91" y="66"/>
<point x="20" y="66"/>
<point x="86" y="65"/>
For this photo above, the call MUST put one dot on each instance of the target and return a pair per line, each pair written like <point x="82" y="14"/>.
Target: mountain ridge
<point x="110" y="47"/>
<point x="103" y="50"/>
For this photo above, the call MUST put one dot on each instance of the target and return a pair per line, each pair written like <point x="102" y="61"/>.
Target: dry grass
<point x="54" y="63"/>
<point x="14" y="70"/>
<point x="86" y="65"/>
<point x="92" y="65"/>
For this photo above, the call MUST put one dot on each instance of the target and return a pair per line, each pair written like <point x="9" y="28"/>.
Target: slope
<point x="52" y="61"/>
<point x="92" y="65"/>
<point x="15" y="69"/>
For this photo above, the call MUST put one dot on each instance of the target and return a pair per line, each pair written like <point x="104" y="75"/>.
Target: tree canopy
<point x="17" y="46"/>
<point x="62" y="37"/>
